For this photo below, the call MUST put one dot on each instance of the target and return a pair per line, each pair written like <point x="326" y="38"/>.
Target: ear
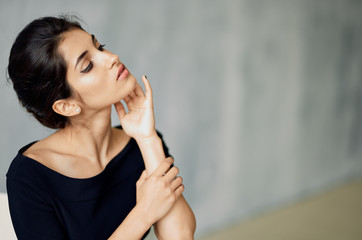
<point x="66" y="107"/>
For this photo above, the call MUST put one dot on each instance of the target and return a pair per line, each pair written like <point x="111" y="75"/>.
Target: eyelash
<point x="90" y="65"/>
<point x="101" y="47"/>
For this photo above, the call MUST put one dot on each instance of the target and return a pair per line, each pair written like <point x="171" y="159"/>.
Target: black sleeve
<point x="32" y="216"/>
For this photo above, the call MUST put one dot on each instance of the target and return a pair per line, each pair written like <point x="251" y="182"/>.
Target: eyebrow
<point x="84" y="53"/>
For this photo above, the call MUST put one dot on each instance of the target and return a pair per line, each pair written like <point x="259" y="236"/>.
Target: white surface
<point x="6" y="227"/>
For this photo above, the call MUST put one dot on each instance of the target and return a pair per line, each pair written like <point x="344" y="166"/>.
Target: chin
<point x="133" y="80"/>
<point x="130" y="85"/>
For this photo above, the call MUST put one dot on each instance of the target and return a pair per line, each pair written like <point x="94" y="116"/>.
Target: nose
<point x="109" y="59"/>
<point x="114" y="60"/>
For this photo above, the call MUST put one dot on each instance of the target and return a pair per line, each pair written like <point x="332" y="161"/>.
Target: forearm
<point x="133" y="227"/>
<point x="152" y="152"/>
<point x="179" y="222"/>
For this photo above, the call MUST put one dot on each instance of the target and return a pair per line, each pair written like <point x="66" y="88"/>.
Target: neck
<point x="90" y="135"/>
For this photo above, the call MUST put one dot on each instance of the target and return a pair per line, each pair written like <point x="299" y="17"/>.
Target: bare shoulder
<point x="41" y="151"/>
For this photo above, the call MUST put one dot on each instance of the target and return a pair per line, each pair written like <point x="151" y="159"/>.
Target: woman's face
<point x="96" y="75"/>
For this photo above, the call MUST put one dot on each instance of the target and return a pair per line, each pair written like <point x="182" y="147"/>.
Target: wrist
<point x="134" y="226"/>
<point x="152" y="152"/>
<point x="150" y="138"/>
<point x="144" y="218"/>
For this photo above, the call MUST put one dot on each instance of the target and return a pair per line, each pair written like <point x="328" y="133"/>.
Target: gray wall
<point x="259" y="101"/>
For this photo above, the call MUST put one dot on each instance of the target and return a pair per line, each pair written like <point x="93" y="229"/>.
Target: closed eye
<point x="90" y="65"/>
<point x="101" y="47"/>
<point x="88" y="68"/>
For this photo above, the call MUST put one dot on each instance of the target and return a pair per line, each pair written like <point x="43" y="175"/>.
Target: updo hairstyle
<point x="38" y="70"/>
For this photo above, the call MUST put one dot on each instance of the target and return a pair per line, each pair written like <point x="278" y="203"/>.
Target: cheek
<point x="90" y="85"/>
<point x="86" y="88"/>
<point x="98" y="90"/>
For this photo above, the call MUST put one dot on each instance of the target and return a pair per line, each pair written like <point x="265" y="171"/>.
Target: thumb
<point x="143" y="177"/>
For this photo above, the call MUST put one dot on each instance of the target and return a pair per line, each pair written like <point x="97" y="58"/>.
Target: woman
<point x="88" y="180"/>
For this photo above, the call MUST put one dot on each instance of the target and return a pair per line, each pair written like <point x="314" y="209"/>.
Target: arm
<point x="134" y="226"/>
<point x="156" y="194"/>
<point x="179" y="222"/>
<point x="34" y="216"/>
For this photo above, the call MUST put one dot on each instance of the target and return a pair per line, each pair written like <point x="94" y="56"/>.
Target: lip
<point x="122" y="72"/>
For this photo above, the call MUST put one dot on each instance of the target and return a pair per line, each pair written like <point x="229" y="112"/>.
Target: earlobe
<point x="65" y="108"/>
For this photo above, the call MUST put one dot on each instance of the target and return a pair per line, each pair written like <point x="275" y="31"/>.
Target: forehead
<point x="74" y="43"/>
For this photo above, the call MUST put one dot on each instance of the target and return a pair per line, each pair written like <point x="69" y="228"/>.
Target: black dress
<point x="45" y="204"/>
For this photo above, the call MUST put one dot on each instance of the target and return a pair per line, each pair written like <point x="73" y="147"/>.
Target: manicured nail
<point x="146" y="77"/>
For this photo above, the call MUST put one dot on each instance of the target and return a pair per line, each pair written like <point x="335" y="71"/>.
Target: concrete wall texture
<point x="259" y="101"/>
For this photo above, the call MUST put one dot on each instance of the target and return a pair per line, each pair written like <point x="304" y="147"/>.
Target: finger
<point x="163" y="167"/>
<point x="127" y="99"/>
<point x="142" y="179"/>
<point x="176" y="183"/>
<point x="120" y="110"/>
<point x="171" y="174"/>
<point x="139" y="91"/>
<point x="143" y="176"/>
<point x="147" y="87"/>
<point x="179" y="191"/>
<point x="132" y="95"/>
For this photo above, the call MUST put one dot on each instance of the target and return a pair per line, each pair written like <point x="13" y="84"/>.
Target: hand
<point x="139" y="122"/>
<point x="157" y="193"/>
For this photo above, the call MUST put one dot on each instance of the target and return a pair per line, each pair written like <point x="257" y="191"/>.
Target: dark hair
<point x="38" y="70"/>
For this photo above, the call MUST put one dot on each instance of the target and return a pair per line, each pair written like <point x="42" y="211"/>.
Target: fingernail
<point x="146" y="77"/>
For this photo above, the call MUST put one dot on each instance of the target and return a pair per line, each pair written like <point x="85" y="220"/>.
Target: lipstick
<point x="122" y="72"/>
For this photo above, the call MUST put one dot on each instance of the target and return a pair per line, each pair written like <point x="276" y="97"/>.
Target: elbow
<point x="190" y="232"/>
<point x="186" y="235"/>
<point x="186" y="232"/>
